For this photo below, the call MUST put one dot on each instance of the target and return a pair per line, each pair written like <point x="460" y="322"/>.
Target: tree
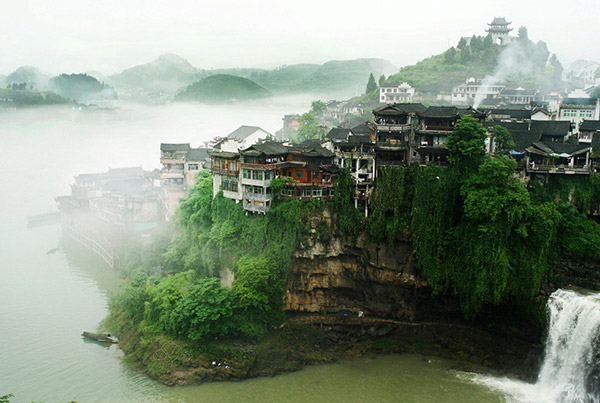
<point x="595" y="93"/>
<point x="204" y="310"/>
<point x="309" y="127"/>
<point x="503" y="139"/>
<point x="522" y="35"/>
<point x="488" y="42"/>
<point x="466" y="145"/>
<point x="450" y="56"/>
<point x="462" y="43"/>
<point x="317" y="108"/>
<point x="371" y="85"/>
<point x="476" y="44"/>
<point x="382" y="80"/>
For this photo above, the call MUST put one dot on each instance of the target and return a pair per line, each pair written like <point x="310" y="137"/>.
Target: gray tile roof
<point x="551" y="127"/>
<point x="243" y="132"/>
<point x="174" y="146"/>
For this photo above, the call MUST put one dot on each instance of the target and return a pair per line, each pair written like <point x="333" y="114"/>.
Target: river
<point x="48" y="299"/>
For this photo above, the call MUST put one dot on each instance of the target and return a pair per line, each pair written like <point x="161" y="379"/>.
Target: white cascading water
<point x="571" y="369"/>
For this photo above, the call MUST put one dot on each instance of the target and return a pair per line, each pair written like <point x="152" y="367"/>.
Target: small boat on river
<point x="101" y="337"/>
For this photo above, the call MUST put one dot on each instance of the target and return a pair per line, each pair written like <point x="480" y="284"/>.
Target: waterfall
<point x="571" y="369"/>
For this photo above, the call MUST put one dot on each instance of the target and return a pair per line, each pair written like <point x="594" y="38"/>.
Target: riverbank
<point x="318" y="339"/>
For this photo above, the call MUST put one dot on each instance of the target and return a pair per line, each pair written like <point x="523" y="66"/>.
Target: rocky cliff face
<point x="330" y="273"/>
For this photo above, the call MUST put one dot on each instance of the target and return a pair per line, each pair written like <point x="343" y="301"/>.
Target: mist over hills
<point x="222" y="88"/>
<point x="29" y="75"/>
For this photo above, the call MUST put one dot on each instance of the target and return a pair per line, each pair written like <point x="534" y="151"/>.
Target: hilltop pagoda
<point x="500" y="31"/>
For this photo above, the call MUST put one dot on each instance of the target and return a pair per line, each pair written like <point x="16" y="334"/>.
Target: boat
<point x="101" y="337"/>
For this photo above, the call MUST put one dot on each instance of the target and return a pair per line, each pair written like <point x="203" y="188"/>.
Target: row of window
<point x="258" y="175"/>
<point x="573" y="113"/>
<point x="229" y="185"/>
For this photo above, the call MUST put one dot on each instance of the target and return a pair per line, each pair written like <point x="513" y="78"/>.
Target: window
<point x="193" y="167"/>
<point x="246" y="174"/>
<point x="229" y="185"/>
<point x="257" y="175"/>
<point x="299" y="174"/>
<point x="268" y="175"/>
<point x="315" y="176"/>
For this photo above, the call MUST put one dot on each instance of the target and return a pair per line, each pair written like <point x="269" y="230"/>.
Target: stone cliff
<point x="330" y="272"/>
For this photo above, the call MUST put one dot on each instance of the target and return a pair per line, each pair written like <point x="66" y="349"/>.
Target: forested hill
<point x="521" y="63"/>
<point x="222" y="88"/>
<point x="81" y="88"/>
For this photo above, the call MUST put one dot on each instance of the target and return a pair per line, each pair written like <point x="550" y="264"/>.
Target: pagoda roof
<point x="499" y="21"/>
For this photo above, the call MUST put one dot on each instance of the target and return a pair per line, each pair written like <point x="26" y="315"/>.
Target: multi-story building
<point x="588" y="129"/>
<point x="474" y="90"/>
<point x="395" y="132"/>
<point x="576" y="110"/>
<point x="259" y="168"/>
<point x="180" y="164"/>
<point x="435" y="125"/>
<point x="225" y="167"/>
<point x="390" y="93"/>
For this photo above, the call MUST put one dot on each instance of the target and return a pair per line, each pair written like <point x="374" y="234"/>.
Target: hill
<point x="81" y="87"/>
<point x="521" y="63"/>
<point x="15" y="98"/>
<point x="169" y="73"/>
<point x="222" y="88"/>
<point x="27" y="74"/>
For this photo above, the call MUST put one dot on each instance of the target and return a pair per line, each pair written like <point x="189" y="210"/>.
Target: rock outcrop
<point x="330" y="273"/>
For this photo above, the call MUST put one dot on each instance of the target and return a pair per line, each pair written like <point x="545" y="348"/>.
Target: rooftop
<point x="174" y="146"/>
<point x="243" y="132"/>
<point x="589" y="125"/>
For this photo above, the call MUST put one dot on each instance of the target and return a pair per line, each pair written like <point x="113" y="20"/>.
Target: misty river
<point x="48" y="299"/>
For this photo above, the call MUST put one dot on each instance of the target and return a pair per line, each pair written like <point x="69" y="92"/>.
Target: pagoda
<point x="499" y="30"/>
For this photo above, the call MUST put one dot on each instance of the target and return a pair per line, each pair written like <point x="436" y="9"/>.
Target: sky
<point x="73" y="36"/>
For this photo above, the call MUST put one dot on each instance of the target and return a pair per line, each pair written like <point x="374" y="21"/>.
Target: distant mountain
<point x="27" y="74"/>
<point x="169" y="73"/>
<point x="346" y="75"/>
<point x="81" y="87"/>
<point x="222" y="88"/>
<point x="16" y="98"/>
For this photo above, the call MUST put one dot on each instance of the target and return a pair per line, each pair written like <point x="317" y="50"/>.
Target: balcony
<point x="224" y="172"/>
<point x="257" y="182"/>
<point x="257" y="196"/>
<point x="400" y="128"/>
<point x="256" y="207"/>
<point x="438" y="128"/>
<point x="560" y="169"/>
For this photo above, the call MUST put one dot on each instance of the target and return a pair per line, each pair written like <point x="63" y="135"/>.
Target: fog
<point x="109" y="36"/>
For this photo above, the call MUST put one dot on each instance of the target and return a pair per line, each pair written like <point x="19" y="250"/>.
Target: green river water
<point x="48" y="299"/>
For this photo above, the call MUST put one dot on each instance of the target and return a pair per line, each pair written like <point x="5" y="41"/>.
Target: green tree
<point x="257" y="285"/>
<point x="317" y="108"/>
<point x="595" y="93"/>
<point x="450" y="56"/>
<point x="204" y="310"/>
<point x="503" y="139"/>
<point x="462" y="43"/>
<point x="309" y="127"/>
<point x="371" y="84"/>
<point x="466" y="145"/>
<point x="381" y="80"/>
<point x="488" y="42"/>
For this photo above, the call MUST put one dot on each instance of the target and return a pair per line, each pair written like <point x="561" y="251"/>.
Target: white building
<point x="472" y="89"/>
<point x="391" y="93"/>
<point x="242" y="138"/>
<point x="576" y="110"/>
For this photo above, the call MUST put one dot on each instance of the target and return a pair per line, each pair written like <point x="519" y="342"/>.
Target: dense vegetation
<point x="23" y="97"/>
<point x="222" y="88"/>
<point x="216" y="235"/>
<point x="477" y="231"/>
<point x="522" y="63"/>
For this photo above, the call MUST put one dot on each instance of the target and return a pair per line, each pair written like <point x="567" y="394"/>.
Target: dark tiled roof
<point x="551" y="127"/>
<point x="579" y="102"/>
<point x="517" y="91"/>
<point x="361" y="129"/>
<point x="337" y="133"/>
<point x="499" y="21"/>
<point x="510" y="126"/>
<point x="309" y="143"/>
<point x="243" y="131"/>
<point x="589" y="125"/>
<point x="399" y="108"/>
<point x="449" y="112"/>
<point x="224" y="154"/>
<point x="174" y="147"/>
<point x="510" y="112"/>
<point x="267" y="148"/>
<point x="197" y="154"/>
<point x="524" y="138"/>
<point x="560" y="148"/>
<point x="359" y="139"/>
